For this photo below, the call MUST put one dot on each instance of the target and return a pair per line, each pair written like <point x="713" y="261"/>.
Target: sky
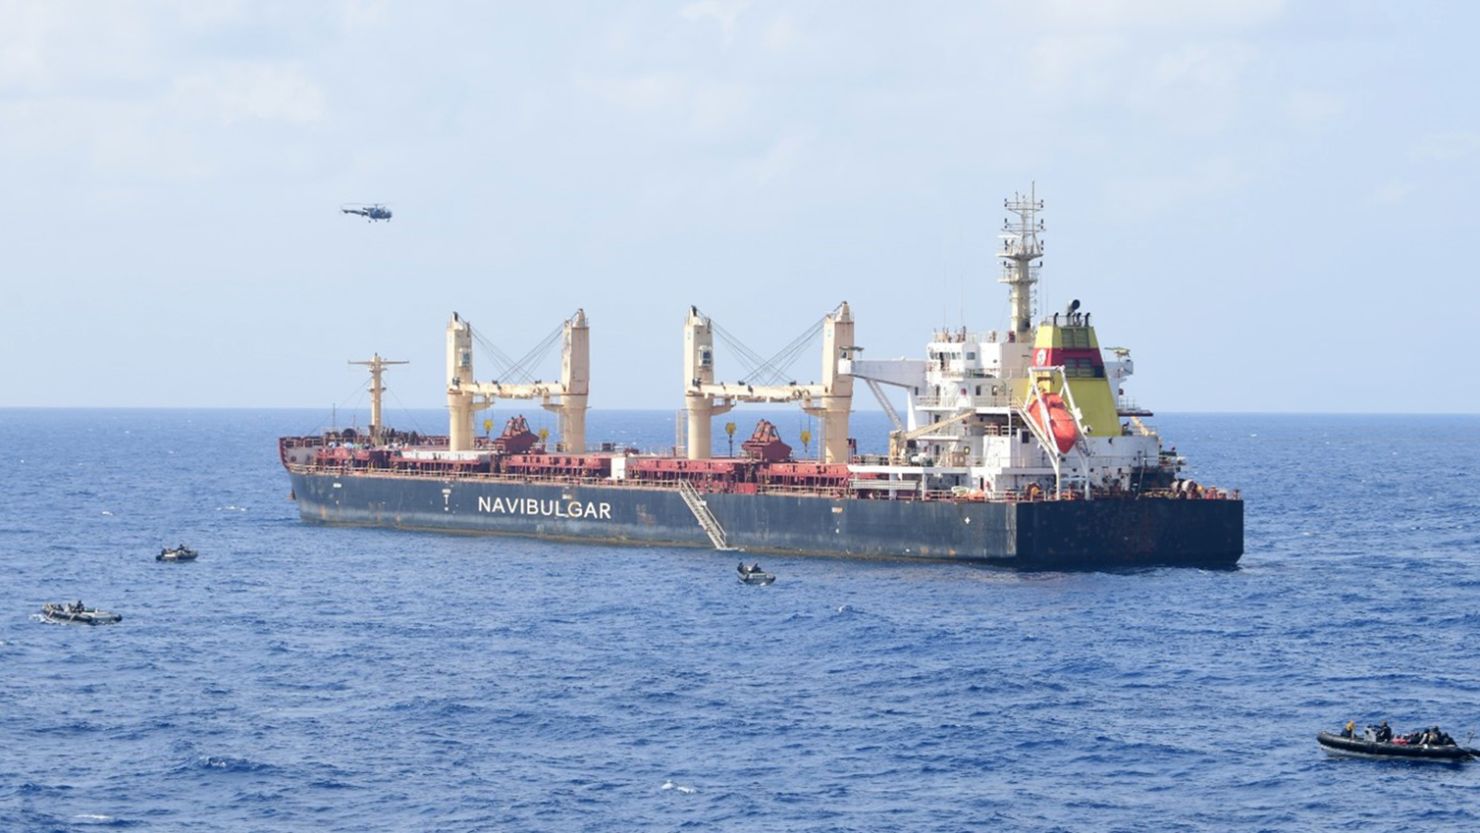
<point x="1271" y="203"/>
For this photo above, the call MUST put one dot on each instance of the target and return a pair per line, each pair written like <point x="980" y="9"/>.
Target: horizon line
<point x="354" y="408"/>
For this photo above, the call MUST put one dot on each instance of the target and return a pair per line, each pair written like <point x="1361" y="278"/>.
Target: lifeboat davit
<point x="1052" y="415"/>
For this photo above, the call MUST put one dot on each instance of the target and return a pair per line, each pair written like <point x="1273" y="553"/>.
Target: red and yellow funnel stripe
<point x="1073" y="346"/>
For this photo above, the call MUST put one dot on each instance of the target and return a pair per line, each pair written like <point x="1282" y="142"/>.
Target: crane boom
<point x="898" y="440"/>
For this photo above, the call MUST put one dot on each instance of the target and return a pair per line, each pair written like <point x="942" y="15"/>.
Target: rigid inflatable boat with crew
<point x="753" y="574"/>
<point x="180" y="553"/>
<point x="1423" y="745"/>
<point x="75" y="613"/>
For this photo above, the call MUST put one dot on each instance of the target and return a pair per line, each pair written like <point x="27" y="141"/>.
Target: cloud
<point x="1157" y="194"/>
<point x="781" y="158"/>
<point x="249" y="92"/>
<point x="650" y="91"/>
<point x="726" y="12"/>
<point x="46" y="48"/>
<point x="1124" y="15"/>
<point x="1447" y="146"/>
<point x="1073" y="63"/>
<point x="1203" y="65"/>
<point x="1190" y="68"/>
<point x="360" y="14"/>
<point x="141" y="92"/>
<point x="1313" y="108"/>
<point x="782" y="34"/>
<point x="695" y="104"/>
<point x="22" y="43"/>
<point x="205" y="14"/>
<point x="1393" y="192"/>
<point x="1196" y="86"/>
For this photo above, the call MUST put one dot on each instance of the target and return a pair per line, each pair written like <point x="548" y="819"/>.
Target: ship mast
<point x="1020" y="247"/>
<point x="377" y="366"/>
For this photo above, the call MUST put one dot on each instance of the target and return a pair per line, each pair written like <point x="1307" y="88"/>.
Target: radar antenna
<point x="1020" y="247"/>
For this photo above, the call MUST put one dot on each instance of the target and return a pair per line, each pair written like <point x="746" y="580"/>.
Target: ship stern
<point x="1129" y="533"/>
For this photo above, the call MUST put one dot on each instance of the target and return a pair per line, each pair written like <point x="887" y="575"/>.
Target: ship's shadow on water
<point x="1147" y="569"/>
<point x="339" y="679"/>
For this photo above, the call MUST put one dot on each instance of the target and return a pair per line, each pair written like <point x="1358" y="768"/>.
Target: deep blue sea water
<point x="303" y="678"/>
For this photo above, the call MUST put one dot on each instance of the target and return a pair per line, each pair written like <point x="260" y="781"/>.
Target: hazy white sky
<point x="1272" y="203"/>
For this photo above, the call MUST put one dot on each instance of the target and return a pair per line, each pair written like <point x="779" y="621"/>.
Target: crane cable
<point x="772" y="371"/>
<point x="522" y="370"/>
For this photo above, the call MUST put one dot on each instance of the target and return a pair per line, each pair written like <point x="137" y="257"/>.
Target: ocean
<point x="299" y="677"/>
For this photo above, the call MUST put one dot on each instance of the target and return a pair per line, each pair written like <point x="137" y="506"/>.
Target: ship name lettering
<point x="548" y="508"/>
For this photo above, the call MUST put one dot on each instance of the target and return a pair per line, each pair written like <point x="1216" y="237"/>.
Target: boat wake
<point x="228" y="763"/>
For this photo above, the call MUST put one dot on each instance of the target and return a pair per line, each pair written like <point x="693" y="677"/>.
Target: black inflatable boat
<point x="75" y="614"/>
<point x="180" y="553"/>
<point x="753" y="574"/>
<point x="1364" y="748"/>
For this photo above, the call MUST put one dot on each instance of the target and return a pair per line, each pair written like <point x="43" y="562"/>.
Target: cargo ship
<point x="1015" y="447"/>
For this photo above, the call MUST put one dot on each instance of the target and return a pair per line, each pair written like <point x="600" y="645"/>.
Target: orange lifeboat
<point x="1052" y="415"/>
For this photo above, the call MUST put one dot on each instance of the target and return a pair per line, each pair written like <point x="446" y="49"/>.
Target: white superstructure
<point x="1013" y="413"/>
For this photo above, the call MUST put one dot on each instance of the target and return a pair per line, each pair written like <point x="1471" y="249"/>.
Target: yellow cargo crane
<point x="899" y="440"/>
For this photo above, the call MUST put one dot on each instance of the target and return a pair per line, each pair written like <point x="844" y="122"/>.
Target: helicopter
<point x="371" y="213"/>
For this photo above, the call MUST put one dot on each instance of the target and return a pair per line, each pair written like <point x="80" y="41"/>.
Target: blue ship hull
<point x="1098" y="534"/>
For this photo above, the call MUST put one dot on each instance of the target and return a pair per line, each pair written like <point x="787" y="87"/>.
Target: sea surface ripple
<point x="299" y="677"/>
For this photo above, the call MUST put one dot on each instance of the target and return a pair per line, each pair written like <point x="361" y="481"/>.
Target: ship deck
<point x="870" y="491"/>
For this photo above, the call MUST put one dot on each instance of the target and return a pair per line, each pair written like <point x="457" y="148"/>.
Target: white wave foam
<point x="686" y="790"/>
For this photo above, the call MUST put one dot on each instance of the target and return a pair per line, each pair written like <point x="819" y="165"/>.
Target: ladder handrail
<point x="706" y="519"/>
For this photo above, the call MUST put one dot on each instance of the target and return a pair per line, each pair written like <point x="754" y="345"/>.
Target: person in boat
<point x="1384" y="733"/>
<point x="1350" y="729"/>
<point x="1434" y="736"/>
